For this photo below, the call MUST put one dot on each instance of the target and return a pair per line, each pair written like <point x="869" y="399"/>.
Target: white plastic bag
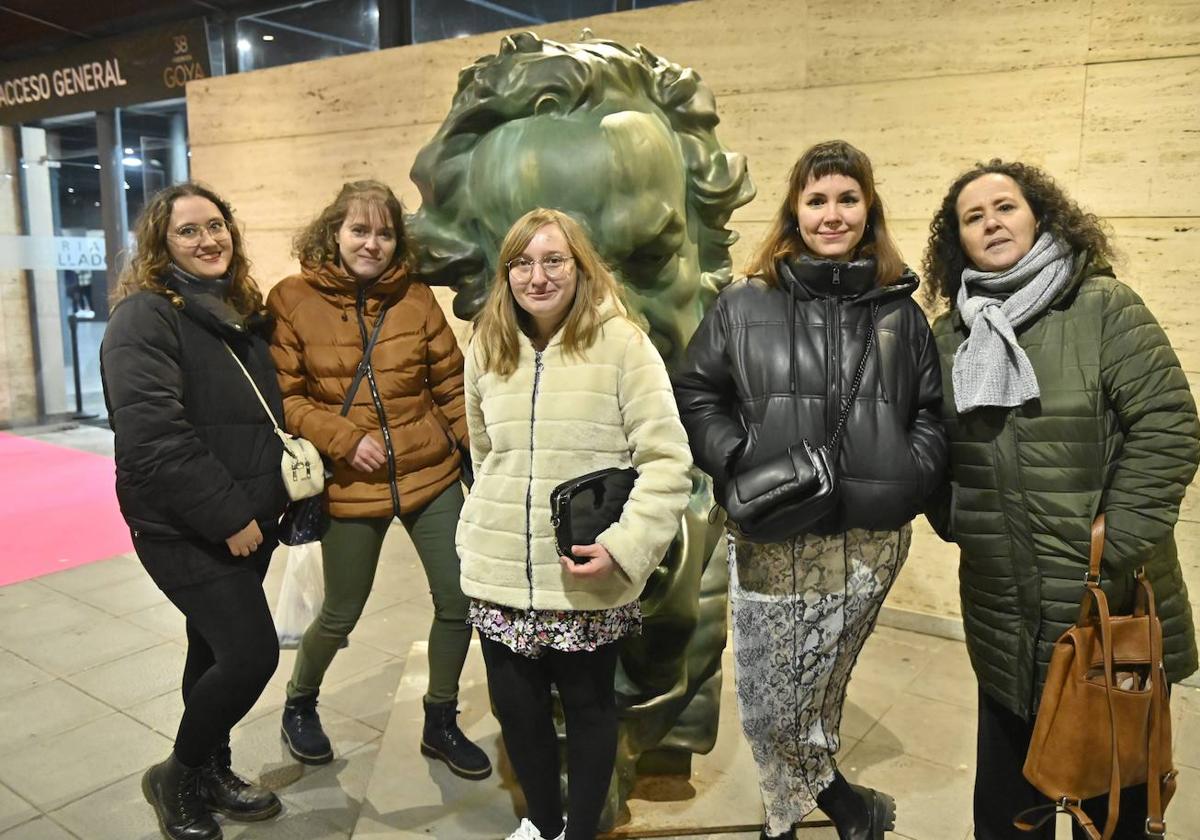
<point x="301" y="595"/>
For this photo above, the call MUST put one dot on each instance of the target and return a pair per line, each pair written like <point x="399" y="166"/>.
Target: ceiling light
<point x="268" y="37"/>
<point x="95" y="166"/>
<point x="131" y="161"/>
<point x="96" y="204"/>
<point x="128" y="150"/>
<point x="243" y="45"/>
<point x="70" y="189"/>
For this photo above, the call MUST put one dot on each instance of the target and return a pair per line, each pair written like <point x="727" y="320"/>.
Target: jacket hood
<point x="809" y="278"/>
<point x="332" y="278"/>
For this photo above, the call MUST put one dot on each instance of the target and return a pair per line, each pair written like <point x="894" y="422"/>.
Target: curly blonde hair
<point x="151" y="259"/>
<point x="316" y="244"/>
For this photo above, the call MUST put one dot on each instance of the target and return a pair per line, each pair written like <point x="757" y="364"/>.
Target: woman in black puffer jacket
<point x="768" y="367"/>
<point x="199" y="482"/>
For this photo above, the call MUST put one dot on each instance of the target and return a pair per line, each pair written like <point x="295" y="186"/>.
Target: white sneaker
<point x="528" y="831"/>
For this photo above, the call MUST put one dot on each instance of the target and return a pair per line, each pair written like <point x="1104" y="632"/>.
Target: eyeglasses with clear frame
<point x="554" y="266"/>
<point x="218" y="229"/>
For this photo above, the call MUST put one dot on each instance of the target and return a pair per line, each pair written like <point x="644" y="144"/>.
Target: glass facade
<point x="306" y="32"/>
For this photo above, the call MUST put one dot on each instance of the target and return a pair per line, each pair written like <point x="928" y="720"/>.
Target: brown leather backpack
<point x="1104" y="721"/>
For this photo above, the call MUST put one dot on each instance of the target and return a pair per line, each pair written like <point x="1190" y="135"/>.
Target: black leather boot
<point x="302" y="732"/>
<point x="858" y="813"/>
<point x="173" y="789"/>
<point x="442" y="739"/>
<point x="790" y="834"/>
<point x="228" y="793"/>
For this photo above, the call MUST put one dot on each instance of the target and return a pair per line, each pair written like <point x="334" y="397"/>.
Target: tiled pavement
<point x="89" y="666"/>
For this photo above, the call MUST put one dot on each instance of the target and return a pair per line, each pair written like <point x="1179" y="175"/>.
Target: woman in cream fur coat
<point x="560" y="383"/>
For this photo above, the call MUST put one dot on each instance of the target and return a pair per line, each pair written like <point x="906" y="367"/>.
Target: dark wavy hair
<point x="833" y="157"/>
<point x="1051" y="206"/>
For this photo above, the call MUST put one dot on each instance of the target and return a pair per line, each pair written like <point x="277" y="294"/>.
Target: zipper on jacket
<point x="393" y="485"/>
<point x="833" y="325"/>
<point x="837" y="276"/>
<point x="537" y="381"/>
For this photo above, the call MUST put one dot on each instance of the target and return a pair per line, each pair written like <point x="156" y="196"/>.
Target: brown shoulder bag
<point x="1104" y="721"/>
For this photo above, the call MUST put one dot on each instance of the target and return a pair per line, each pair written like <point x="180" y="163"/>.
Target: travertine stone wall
<point x="18" y="394"/>
<point x="1103" y="93"/>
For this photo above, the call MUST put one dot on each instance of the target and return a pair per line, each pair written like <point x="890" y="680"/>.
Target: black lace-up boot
<point x="228" y="793"/>
<point x="302" y="732"/>
<point x="442" y="739"/>
<point x="173" y="789"/>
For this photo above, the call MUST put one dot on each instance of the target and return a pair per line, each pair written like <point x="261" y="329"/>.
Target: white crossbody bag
<point x="301" y="465"/>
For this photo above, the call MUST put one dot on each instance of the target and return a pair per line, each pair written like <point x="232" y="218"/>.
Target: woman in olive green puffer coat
<point x="1062" y="399"/>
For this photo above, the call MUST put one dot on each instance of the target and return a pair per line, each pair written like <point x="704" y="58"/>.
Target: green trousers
<point x="351" y="554"/>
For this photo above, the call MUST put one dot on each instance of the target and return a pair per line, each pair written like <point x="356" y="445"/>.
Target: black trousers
<point x="232" y="649"/>
<point x="1001" y="790"/>
<point x="520" y="692"/>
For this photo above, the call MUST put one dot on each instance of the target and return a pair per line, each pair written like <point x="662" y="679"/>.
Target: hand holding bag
<point x="790" y="492"/>
<point x="583" y="508"/>
<point x="1104" y="721"/>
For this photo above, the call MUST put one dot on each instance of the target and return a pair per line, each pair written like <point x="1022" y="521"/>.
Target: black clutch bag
<point x="582" y="508"/>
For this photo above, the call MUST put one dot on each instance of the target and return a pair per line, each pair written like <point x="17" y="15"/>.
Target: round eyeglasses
<point x="192" y="234"/>
<point x="553" y="266"/>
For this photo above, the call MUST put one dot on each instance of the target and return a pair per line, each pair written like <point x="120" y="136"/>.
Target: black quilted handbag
<point x="582" y="508"/>
<point x="790" y="492"/>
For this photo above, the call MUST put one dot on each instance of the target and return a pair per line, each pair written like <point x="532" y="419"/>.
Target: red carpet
<point x="58" y="509"/>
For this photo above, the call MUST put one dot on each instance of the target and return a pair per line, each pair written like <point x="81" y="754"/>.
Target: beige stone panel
<point x="928" y="583"/>
<point x="903" y="39"/>
<point x="280" y="184"/>
<point x="1140" y="155"/>
<point x="10" y="195"/>
<point x="270" y="253"/>
<point x="919" y="134"/>
<point x="1158" y="258"/>
<point x="1127" y="30"/>
<point x="723" y="40"/>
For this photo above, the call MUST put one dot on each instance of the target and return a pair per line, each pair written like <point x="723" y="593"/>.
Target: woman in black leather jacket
<point x="769" y="366"/>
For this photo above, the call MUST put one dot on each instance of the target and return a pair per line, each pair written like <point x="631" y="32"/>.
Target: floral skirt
<point x="802" y="611"/>
<point x="531" y="632"/>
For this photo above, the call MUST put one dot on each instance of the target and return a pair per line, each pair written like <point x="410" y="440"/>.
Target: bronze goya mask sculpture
<point x="625" y="142"/>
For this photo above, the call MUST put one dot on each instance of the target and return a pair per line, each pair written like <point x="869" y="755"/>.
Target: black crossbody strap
<point x="848" y="402"/>
<point x="364" y="365"/>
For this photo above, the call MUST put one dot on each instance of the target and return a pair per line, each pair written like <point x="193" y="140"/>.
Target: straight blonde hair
<point x="501" y="320"/>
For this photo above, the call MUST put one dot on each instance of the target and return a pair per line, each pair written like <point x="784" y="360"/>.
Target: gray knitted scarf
<point x="990" y="367"/>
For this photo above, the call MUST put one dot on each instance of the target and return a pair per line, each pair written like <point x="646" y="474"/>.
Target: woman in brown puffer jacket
<point x="395" y="452"/>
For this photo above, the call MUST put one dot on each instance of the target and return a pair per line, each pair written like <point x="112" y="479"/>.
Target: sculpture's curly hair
<point x="1053" y="209"/>
<point x="150" y="260"/>
<point x="532" y="76"/>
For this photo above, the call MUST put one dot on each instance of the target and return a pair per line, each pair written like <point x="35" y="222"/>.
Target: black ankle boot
<point x="228" y="793"/>
<point x="302" y="732"/>
<point x="442" y="739"/>
<point x="858" y="813"/>
<point x="790" y="834"/>
<point x="173" y="789"/>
